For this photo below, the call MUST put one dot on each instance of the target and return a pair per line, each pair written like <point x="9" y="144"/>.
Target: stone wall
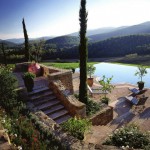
<point x="75" y="107"/>
<point x="52" y="73"/>
<point x="69" y="142"/>
<point x="21" y="67"/>
<point x="102" y="117"/>
<point x="63" y="75"/>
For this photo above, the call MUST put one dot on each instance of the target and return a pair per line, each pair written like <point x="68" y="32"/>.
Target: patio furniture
<point x="96" y="90"/>
<point x="137" y="98"/>
<point x="132" y="99"/>
<point x="134" y="90"/>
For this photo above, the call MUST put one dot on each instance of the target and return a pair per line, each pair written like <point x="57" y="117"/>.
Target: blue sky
<point x="60" y="17"/>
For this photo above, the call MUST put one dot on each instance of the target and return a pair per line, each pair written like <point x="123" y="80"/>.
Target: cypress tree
<point x="83" y="52"/>
<point x="26" y="43"/>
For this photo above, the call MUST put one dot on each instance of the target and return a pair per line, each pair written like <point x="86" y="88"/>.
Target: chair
<point x="96" y="91"/>
<point x="134" y="90"/>
<point x="132" y="99"/>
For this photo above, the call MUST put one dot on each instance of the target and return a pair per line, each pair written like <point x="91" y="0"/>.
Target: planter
<point x="29" y="84"/>
<point x="90" y="81"/>
<point x="140" y="85"/>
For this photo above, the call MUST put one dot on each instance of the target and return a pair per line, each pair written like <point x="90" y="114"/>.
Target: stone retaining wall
<point x="75" y="107"/>
<point x="103" y="117"/>
<point x="70" y="142"/>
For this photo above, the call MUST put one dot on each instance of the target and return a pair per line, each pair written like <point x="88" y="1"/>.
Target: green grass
<point x="65" y="65"/>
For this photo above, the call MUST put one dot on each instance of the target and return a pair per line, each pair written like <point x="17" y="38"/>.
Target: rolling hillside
<point x="7" y="43"/>
<point x="142" y="28"/>
<point x="64" y="41"/>
<point x="113" y="47"/>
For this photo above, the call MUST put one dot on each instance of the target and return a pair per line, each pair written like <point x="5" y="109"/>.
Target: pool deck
<point x="124" y="111"/>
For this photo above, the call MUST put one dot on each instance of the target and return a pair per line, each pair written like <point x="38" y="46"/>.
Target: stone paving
<point x="124" y="111"/>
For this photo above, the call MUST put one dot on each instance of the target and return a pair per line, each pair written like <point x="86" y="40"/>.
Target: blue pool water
<point x="120" y="73"/>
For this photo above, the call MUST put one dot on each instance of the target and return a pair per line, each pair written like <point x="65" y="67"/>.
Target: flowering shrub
<point x="129" y="136"/>
<point x="24" y="135"/>
<point x="77" y="127"/>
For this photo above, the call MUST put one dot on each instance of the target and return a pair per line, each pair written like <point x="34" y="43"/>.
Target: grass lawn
<point x="65" y="65"/>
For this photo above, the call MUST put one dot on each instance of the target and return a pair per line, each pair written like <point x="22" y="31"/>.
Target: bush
<point x="105" y="100"/>
<point x="129" y="136"/>
<point x="28" y="75"/>
<point x="77" y="127"/>
<point x="24" y="134"/>
<point x="92" y="107"/>
<point x="8" y="84"/>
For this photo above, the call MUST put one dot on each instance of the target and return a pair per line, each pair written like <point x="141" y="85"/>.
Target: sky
<point x="60" y="17"/>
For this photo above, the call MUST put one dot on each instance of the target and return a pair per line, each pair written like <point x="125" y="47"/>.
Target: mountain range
<point x="93" y="35"/>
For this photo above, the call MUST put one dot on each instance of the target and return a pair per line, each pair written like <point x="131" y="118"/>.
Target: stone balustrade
<point x="75" y="107"/>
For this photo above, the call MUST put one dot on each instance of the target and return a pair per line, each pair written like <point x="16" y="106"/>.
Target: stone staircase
<point x="44" y="99"/>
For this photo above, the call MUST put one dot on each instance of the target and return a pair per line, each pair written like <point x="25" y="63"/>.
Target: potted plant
<point x="90" y="71"/>
<point x="28" y="80"/>
<point x="141" y="72"/>
<point x="106" y="88"/>
<point x="73" y="70"/>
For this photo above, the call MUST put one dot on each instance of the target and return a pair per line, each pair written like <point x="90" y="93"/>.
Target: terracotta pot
<point x="90" y="81"/>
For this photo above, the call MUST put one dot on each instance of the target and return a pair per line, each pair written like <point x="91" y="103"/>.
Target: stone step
<point x="48" y="104"/>
<point x="43" y="100"/>
<point x="39" y="90"/>
<point x="53" y="109"/>
<point x="58" y="114"/>
<point x="40" y="95"/>
<point x="62" y="119"/>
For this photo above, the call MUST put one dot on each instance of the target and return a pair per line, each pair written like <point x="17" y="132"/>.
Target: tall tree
<point x="37" y="50"/>
<point x="4" y="55"/>
<point x="27" y="51"/>
<point x="83" y="52"/>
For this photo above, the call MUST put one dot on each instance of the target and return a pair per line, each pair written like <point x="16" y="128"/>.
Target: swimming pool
<point x="121" y="73"/>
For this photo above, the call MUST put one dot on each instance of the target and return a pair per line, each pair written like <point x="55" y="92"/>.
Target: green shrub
<point x="129" y="136"/>
<point x="8" y="84"/>
<point x="29" y="75"/>
<point x="105" y="100"/>
<point x="92" y="107"/>
<point x="77" y="127"/>
<point x="90" y="70"/>
<point x="24" y="134"/>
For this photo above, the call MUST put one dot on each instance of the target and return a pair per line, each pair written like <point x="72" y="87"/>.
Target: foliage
<point x="23" y="134"/>
<point x="92" y="107"/>
<point x="26" y="44"/>
<point x="129" y="136"/>
<point x="90" y="70"/>
<point x="106" y="85"/>
<point x="8" y="83"/>
<point x="37" y="50"/>
<point x="141" y="72"/>
<point x="77" y="127"/>
<point x="83" y="53"/>
<point x="28" y="75"/>
<point x="105" y="100"/>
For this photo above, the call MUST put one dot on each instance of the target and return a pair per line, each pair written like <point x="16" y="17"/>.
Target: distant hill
<point x="95" y="31"/>
<point x="7" y="43"/>
<point x="21" y="40"/>
<point x="142" y="28"/>
<point x="64" y="41"/>
<point x="113" y="47"/>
